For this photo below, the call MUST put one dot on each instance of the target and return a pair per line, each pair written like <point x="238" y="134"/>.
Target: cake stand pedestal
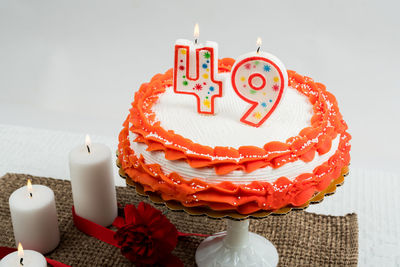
<point x="236" y="247"/>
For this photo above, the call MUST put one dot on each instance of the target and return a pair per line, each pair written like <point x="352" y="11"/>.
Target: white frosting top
<point x="178" y="112"/>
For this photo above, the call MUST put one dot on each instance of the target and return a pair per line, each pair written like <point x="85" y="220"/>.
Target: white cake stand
<point x="236" y="246"/>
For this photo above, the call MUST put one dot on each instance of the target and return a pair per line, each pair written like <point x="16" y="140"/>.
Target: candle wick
<point x="21" y="261"/>
<point x="88" y="148"/>
<point x="30" y="194"/>
<point x="195" y="41"/>
<point x="258" y="49"/>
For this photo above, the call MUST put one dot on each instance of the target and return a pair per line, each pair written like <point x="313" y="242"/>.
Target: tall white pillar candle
<point x="34" y="218"/>
<point x="92" y="182"/>
<point x="23" y="258"/>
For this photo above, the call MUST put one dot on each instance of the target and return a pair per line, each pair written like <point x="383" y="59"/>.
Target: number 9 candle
<point x="195" y="72"/>
<point x="260" y="79"/>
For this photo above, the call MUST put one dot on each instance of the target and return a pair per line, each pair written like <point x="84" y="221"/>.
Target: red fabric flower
<point x="146" y="236"/>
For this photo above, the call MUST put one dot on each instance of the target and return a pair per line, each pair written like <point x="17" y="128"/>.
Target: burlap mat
<point x="302" y="239"/>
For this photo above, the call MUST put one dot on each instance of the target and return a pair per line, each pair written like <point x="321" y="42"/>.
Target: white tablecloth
<point x="372" y="194"/>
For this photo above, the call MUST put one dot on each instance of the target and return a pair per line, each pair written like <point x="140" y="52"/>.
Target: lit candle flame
<point x="20" y="250"/>
<point x="259" y="42"/>
<point x="196" y="33"/>
<point x="29" y="186"/>
<point x="87" y="142"/>
<point x="20" y="254"/>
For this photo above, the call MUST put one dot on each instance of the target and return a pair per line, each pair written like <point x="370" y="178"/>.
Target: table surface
<point x="372" y="194"/>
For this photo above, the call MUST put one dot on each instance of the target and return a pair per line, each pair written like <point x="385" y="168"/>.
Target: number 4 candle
<point x="260" y="79"/>
<point x="195" y="72"/>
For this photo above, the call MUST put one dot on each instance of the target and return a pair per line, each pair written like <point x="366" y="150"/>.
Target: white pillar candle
<point x="92" y="182"/>
<point x="23" y="258"/>
<point x="34" y="217"/>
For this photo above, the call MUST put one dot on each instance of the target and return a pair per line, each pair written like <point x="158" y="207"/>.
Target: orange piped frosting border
<point x="326" y="124"/>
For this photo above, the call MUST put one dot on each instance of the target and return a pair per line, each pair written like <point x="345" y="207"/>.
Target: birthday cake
<point x="221" y="163"/>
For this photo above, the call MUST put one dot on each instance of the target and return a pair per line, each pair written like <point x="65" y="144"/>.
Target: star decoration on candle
<point x="267" y="68"/>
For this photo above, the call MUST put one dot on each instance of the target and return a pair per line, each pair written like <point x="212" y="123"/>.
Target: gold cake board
<point x="232" y="214"/>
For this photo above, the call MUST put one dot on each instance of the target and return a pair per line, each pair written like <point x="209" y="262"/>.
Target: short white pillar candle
<point x="23" y="258"/>
<point x="34" y="218"/>
<point x="92" y="181"/>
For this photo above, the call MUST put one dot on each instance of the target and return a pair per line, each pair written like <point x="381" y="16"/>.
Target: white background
<point x="74" y="65"/>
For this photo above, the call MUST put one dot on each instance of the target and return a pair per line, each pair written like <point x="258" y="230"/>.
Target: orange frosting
<point x="326" y="124"/>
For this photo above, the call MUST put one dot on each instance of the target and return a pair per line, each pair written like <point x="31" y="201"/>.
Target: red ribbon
<point x="103" y="233"/>
<point x="93" y="229"/>
<point x="4" y="251"/>
<point x="192" y="234"/>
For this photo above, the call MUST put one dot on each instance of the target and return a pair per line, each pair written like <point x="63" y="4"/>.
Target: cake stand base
<point x="236" y="247"/>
